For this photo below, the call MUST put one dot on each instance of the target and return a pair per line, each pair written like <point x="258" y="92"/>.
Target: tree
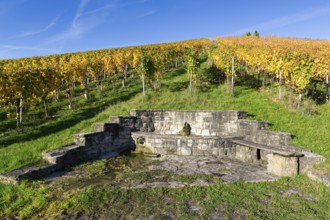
<point x="21" y="88"/>
<point x="256" y="33"/>
<point x="192" y="64"/>
<point x="146" y="70"/>
<point x="96" y="69"/>
<point x="66" y="73"/>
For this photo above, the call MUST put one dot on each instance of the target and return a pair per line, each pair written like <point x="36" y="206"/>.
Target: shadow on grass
<point x="73" y="119"/>
<point x="7" y="125"/>
<point x="177" y="86"/>
<point x="174" y="73"/>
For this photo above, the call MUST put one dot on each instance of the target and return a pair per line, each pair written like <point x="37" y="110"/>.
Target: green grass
<point x="298" y="198"/>
<point x="309" y="200"/>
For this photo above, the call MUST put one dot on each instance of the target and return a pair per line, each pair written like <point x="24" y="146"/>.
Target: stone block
<point x="205" y="147"/>
<point x="79" y="139"/>
<point x="208" y="152"/>
<point x="190" y="117"/>
<point x="114" y="119"/>
<point x="307" y="162"/>
<point x="222" y="152"/>
<point x="215" y="151"/>
<point x="197" y="152"/>
<point x="109" y="128"/>
<point x="156" y="145"/>
<point x="171" y="149"/>
<point x="283" y="166"/>
<point x="205" y="132"/>
<point x="182" y="143"/>
<point x="90" y="139"/>
<point x="220" y="143"/>
<point x="246" y="154"/>
<point x="213" y="133"/>
<point x="126" y="121"/>
<point x="186" y="151"/>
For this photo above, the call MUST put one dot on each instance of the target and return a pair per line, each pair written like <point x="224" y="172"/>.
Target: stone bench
<point x="279" y="162"/>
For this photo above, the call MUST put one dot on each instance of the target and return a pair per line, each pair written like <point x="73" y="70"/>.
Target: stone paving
<point x="204" y="170"/>
<point x="228" y="170"/>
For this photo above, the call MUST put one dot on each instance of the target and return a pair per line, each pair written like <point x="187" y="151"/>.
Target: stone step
<point x="59" y="155"/>
<point x="125" y="121"/>
<point x="110" y="128"/>
<point x="90" y="139"/>
<point x="28" y="173"/>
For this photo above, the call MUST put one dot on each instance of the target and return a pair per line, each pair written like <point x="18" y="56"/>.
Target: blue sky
<point x="43" y="27"/>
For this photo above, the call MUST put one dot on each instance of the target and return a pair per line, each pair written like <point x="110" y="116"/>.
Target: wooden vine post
<point x="232" y="75"/>
<point x="280" y="86"/>
<point x="327" y="86"/>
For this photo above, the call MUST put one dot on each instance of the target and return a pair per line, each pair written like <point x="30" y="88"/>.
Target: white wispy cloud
<point x="79" y="12"/>
<point x="288" y="20"/>
<point x="149" y="13"/>
<point x="104" y="8"/>
<point x="52" y="23"/>
<point x="82" y="22"/>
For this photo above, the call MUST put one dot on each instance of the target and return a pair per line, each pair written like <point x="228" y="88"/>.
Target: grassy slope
<point x="310" y="132"/>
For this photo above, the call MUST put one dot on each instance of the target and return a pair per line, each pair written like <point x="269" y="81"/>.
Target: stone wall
<point x="256" y="131"/>
<point x="203" y="123"/>
<point x="186" y="145"/>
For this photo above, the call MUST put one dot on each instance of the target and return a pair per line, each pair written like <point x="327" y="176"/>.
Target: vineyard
<point x="30" y="81"/>
<point x="298" y="64"/>
<point x="54" y="97"/>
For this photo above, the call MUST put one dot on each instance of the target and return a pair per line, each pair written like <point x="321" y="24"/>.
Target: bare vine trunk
<point x="280" y="95"/>
<point x="232" y="75"/>
<point x="19" y="112"/>
<point x="86" y="89"/>
<point x="143" y="86"/>
<point x="299" y="100"/>
<point x="291" y="93"/>
<point x="68" y="93"/>
<point x="327" y="88"/>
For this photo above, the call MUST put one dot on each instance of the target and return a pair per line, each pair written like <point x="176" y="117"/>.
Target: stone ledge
<point x="135" y="134"/>
<point x="28" y="173"/>
<point x="281" y="152"/>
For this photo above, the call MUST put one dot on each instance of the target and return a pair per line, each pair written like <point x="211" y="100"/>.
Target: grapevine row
<point x="296" y="63"/>
<point x="27" y="81"/>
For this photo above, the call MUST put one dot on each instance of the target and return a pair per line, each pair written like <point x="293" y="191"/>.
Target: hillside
<point x="299" y="197"/>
